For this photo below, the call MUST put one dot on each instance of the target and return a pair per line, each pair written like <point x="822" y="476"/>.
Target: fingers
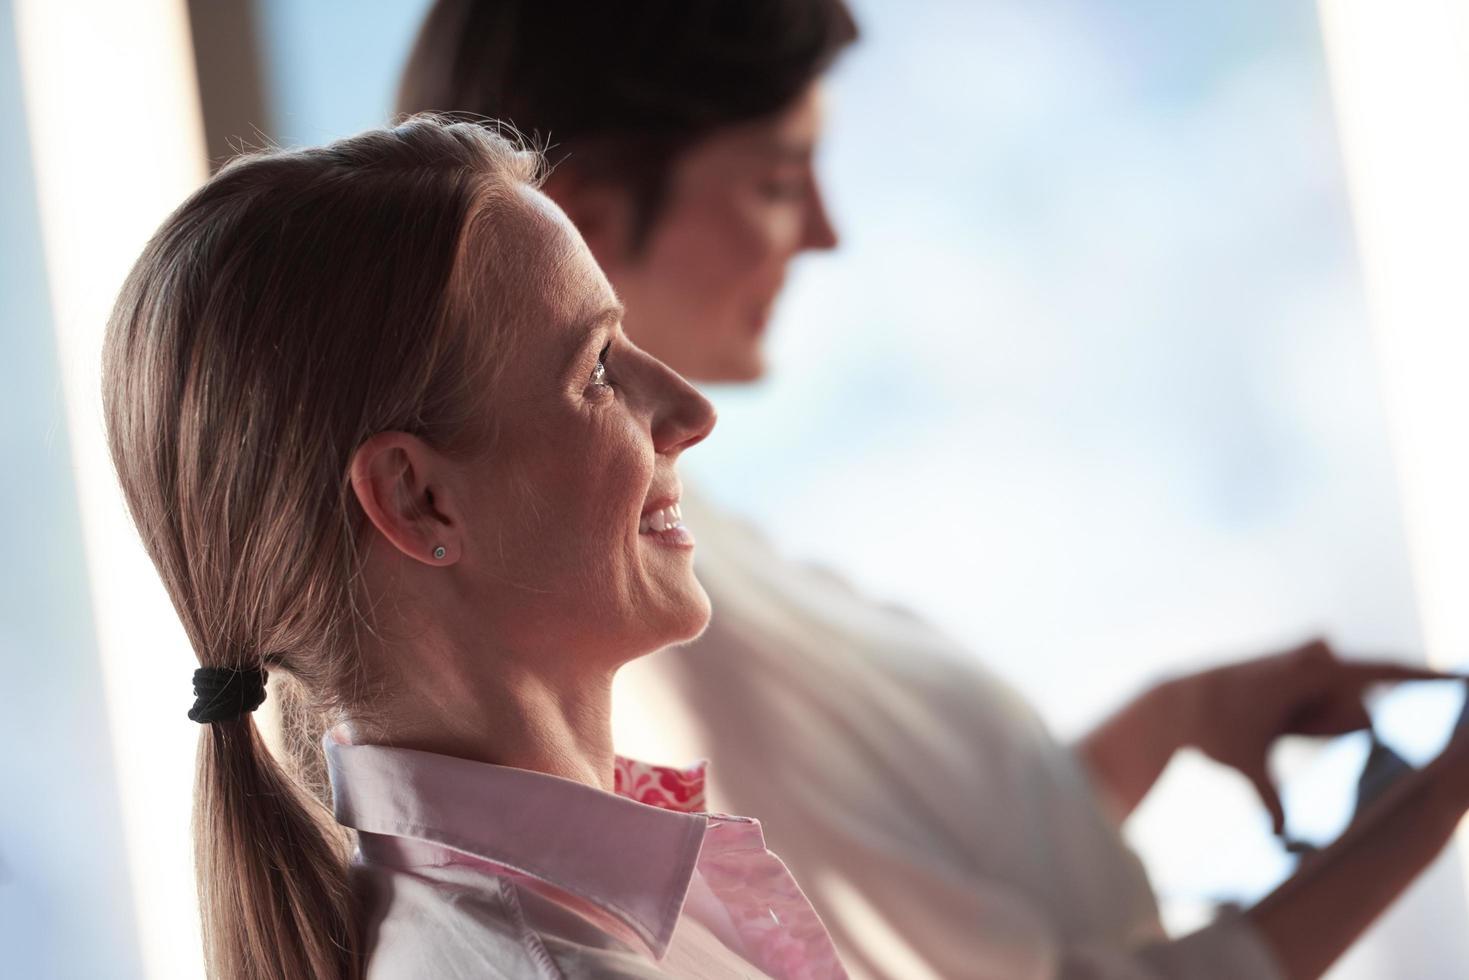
<point x="1338" y="709"/>
<point x="1365" y="672"/>
<point x="1260" y="779"/>
<point x="1333" y="716"/>
<point x="1318" y="655"/>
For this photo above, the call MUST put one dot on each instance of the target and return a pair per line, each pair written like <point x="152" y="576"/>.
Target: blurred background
<point x="1141" y="351"/>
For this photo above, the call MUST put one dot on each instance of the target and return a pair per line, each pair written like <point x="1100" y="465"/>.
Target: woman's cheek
<point x="621" y="456"/>
<point x="769" y="231"/>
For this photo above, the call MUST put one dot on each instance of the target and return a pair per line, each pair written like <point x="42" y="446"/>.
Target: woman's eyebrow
<point x="782" y="149"/>
<point x="612" y="313"/>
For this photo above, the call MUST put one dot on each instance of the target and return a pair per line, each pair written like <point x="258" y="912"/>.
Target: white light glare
<point x="115" y="131"/>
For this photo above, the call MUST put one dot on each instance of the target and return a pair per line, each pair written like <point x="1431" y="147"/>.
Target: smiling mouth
<point x="664" y="524"/>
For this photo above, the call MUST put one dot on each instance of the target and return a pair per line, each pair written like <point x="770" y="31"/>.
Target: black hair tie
<point x="226" y="693"/>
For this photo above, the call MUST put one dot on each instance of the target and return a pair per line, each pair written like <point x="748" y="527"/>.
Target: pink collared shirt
<point x="473" y="870"/>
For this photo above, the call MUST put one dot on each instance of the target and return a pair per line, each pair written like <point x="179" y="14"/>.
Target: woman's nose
<point x="681" y="416"/>
<point x="819" y="235"/>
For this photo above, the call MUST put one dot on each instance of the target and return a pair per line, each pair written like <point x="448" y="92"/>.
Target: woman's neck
<point x="561" y="726"/>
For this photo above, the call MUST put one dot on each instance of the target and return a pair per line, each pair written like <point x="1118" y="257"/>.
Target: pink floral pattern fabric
<point x="781" y="932"/>
<point x="661" y="786"/>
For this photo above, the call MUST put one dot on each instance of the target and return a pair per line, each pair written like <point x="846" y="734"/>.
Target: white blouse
<point x="938" y="827"/>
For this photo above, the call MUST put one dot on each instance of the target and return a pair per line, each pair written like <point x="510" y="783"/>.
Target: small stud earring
<point x="440" y="551"/>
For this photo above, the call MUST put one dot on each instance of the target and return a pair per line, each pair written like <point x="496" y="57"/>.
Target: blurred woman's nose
<point x="681" y="416"/>
<point x="819" y="235"/>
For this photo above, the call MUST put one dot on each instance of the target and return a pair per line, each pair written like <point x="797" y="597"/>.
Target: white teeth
<point x="661" y="520"/>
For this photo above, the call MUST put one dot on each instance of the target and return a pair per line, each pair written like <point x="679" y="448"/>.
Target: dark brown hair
<point x="620" y="89"/>
<point x="294" y="306"/>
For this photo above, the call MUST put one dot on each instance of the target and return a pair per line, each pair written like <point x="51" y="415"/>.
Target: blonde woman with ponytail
<point x="381" y="432"/>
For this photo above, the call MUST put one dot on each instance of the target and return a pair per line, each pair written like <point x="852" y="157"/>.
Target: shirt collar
<point x="632" y="855"/>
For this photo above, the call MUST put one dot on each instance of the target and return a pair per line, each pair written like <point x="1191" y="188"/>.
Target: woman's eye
<point x="783" y="190"/>
<point x="599" y="373"/>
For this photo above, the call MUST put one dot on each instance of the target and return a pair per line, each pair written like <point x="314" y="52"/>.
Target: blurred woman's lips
<point x="664" y="524"/>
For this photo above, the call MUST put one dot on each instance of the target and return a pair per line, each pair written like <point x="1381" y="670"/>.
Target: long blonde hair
<point x="298" y="303"/>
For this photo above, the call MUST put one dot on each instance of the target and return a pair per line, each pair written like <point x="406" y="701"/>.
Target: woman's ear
<point x="394" y="476"/>
<point x="602" y="212"/>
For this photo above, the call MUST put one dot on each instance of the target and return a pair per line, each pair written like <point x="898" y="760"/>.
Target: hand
<point x="1233" y="714"/>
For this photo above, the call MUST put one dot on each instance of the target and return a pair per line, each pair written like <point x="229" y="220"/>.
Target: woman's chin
<point x="687" y="617"/>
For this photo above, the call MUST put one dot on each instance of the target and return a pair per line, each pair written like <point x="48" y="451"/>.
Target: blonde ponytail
<point x="271" y="867"/>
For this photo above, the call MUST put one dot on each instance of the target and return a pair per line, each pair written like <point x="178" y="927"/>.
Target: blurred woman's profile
<point x="923" y="803"/>
<point x="382" y="434"/>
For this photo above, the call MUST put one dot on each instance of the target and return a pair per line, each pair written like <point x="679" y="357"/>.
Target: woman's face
<point x="577" y="540"/>
<point x="740" y="205"/>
